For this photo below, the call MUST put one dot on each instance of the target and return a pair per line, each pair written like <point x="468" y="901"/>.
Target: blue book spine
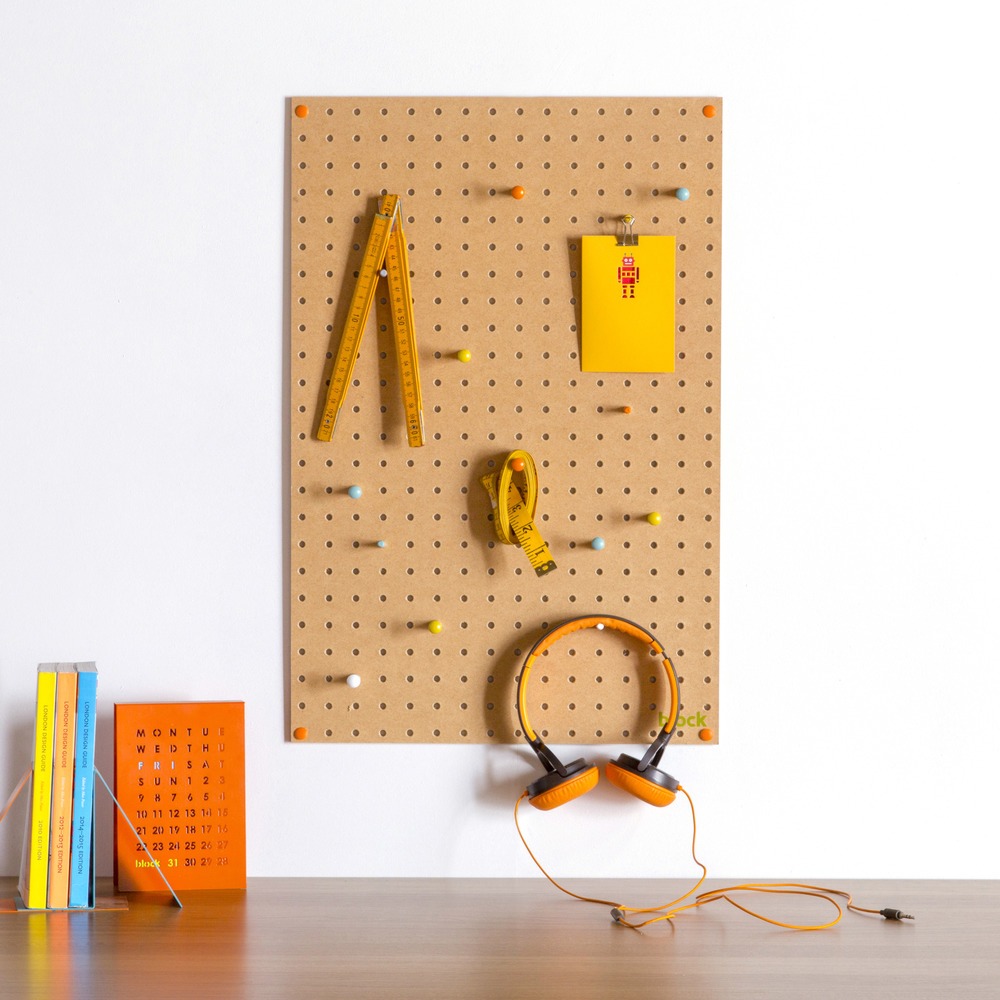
<point x="81" y="876"/>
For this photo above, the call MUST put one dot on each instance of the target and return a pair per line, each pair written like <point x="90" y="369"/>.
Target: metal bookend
<point x="138" y="838"/>
<point x="17" y="905"/>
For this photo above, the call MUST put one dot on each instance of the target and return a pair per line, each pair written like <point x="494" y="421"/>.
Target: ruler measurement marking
<point x="386" y="246"/>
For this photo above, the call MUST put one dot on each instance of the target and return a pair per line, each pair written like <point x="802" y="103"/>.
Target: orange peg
<point x="708" y="111"/>
<point x="705" y="735"/>
<point x="517" y="464"/>
<point x="626" y="409"/>
<point x="517" y="192"/>
<point x="300" y="732"/>
<point x="301" y="110"/>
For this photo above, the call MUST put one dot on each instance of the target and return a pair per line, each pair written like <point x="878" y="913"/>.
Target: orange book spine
<point x="61" y="834"/>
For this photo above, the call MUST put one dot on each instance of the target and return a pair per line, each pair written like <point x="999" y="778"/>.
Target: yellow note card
<point x="628" y="305"/>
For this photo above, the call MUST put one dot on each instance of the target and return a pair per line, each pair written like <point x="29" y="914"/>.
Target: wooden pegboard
<point x="501" y="278"/>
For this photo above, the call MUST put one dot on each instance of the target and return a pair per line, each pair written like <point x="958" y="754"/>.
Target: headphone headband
<point x="549" y="760"/>
<point x="594" y="621"/>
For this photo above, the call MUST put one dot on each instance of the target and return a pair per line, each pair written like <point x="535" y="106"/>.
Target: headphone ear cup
<point x="652" y="785"/>
<point x="555" y="790"/>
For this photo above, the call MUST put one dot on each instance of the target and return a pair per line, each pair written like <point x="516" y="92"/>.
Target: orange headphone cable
<point x="619" y="907"/>
<point x="618" y="910"/>
<point x="680" y="899"/>
<point x="585" y="899"/>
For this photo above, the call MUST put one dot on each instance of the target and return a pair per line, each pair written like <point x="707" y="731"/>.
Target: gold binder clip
<point x="627" y="238"/>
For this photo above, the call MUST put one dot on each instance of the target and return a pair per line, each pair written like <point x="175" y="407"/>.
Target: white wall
<point x="141" y="415"/>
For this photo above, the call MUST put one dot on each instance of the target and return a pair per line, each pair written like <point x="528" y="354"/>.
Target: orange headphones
<point x="565" y="782"/>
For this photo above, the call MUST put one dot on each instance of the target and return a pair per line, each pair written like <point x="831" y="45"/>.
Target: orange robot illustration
<point x="628" y="276"/>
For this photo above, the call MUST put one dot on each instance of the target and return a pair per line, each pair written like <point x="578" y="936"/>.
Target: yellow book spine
<point x="41" y="792"/>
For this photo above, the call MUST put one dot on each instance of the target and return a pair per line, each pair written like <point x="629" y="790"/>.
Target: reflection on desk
<point x="499" y="938"/>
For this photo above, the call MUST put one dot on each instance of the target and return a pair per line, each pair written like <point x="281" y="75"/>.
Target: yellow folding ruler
<point x="514" y="509"/>
<point x="385" y="254"/>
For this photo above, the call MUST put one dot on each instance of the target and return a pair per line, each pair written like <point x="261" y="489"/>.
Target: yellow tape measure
<point x="514" y="509"/>
<point x="386" y="248"/>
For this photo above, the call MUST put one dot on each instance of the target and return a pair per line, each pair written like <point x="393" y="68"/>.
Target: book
<point x="81" y="875"/>
<point x="179" y="776"/>
<point x="63" y="753"/>
<point x="33" y="882"/>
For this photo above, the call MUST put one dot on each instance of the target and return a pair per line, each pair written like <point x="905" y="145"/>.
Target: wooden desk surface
<point x="480" y="939"/>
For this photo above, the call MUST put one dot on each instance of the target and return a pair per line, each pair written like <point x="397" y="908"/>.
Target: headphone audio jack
<point x="890" y="914"/>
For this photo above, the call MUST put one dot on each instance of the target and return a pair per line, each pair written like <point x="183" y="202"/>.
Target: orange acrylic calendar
<point x="179" y="776"/>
